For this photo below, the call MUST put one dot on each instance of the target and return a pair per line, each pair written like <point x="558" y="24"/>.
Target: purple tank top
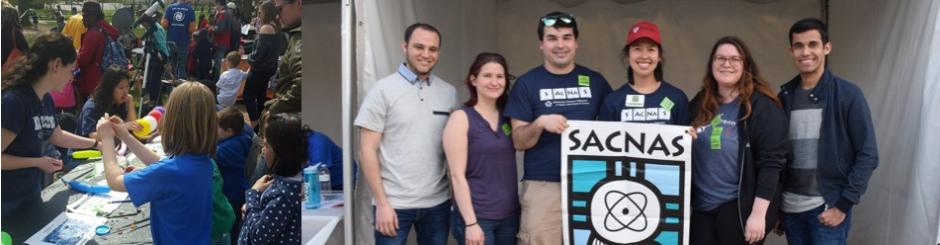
<point x="491" y="168"/>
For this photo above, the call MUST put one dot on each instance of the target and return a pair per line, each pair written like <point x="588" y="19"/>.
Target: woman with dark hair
<point x="272" y="205"/>
<point x="29" y="125"/>
<point x="112" y="97"/>
<point x="269" y="44"/>
<point x="91" y="54"/>
<point x="481" y="158"/>
<point x="739" y="152"/>
<point x="645" y="90"/>
<point x="13" y="41"/>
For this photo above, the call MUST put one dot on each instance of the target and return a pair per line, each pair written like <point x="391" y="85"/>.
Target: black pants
<point x="255" y="94"/>
<point x="718" y="226"/>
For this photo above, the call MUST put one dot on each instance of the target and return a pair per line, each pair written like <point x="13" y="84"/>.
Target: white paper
<point x="94" y="205"/>
<point x="67" y="229"/>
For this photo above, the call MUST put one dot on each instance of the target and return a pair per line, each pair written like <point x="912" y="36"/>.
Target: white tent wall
<point x="890" y="50"/>
<point x="321" y="90"/>
<point x="878" y="44"/>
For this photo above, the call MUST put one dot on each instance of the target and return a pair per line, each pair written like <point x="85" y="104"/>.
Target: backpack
<point x="113" y="53"/>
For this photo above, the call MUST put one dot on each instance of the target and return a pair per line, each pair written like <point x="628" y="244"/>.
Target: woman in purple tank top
<point x="482" y="160"/>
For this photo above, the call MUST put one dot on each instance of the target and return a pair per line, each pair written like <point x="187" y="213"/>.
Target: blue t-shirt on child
<point x="576" y="96"/>
<point x="666" y="105"/>
<point x="179" y="190"/>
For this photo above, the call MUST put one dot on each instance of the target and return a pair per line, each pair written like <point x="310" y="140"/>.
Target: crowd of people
<point x="201" y="191"/>
<point x="795" y="161"/>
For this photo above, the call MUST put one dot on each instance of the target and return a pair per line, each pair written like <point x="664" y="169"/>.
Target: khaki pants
<point x="541" y="213"/>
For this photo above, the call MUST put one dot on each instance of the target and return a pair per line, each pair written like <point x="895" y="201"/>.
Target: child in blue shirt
<point x="272" y="205"/>
<point x="232" y="150"/>
<point x="179" y="186"/>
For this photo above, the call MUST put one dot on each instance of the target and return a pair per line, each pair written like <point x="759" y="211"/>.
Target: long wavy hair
<point x="483" y="59"/>
<point x="270" y="15"/>
<point x="750" y="82"/>
<point x="104" y="93"/>
<point x="35" y="64"/>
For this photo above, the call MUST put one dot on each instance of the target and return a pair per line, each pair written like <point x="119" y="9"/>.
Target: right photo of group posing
<point x="624" y="122"/>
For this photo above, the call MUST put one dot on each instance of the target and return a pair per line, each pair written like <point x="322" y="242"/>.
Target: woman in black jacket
<point x="269" y="44"/>
<point x="739" y="152"/>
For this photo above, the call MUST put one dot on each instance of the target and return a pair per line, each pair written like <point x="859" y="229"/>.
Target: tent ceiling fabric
<point x="880" y="45"/>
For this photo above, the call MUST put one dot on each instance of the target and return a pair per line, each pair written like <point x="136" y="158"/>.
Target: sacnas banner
<point x="625" y="183"/>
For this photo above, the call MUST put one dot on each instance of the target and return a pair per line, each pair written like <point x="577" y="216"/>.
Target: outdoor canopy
<point x="891" y="49"/>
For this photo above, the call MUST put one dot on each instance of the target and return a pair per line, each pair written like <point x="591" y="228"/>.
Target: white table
<point x="319" y="226"/>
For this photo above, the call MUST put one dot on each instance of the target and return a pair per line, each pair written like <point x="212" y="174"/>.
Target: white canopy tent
<point x="891" y="49"/>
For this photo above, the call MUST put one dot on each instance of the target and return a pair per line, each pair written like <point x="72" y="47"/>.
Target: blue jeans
<point x="180" y="58"/>
<point x="804" y="228"/>
<point x="495" y="231"/>
<point x="431" y="224"/>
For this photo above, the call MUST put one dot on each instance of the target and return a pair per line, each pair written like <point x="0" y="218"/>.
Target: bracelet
<point x="474" y="223"/>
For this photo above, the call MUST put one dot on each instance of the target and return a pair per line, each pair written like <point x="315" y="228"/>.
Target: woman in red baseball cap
<point x="646" y="91"/>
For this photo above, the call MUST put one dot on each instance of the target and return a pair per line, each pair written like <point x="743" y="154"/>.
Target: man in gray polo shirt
<point x="400" y="124"/>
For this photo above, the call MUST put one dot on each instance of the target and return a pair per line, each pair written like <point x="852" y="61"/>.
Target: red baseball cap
<point x="643" y="29"/>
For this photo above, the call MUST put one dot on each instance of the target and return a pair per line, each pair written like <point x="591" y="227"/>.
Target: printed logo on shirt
<point x="43" y="122"/>
<point x="635" y="100"/>
<point x="506" y="129"/>
<point x="178" y="16"/>
<point x="645" y="115"/>
<point x="546" y="94"/>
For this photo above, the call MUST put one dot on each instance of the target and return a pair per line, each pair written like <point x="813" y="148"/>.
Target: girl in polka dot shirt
<point x="272" y="205"/>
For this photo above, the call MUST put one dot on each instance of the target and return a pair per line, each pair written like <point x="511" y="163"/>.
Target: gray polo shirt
<point x="410" y="114"/>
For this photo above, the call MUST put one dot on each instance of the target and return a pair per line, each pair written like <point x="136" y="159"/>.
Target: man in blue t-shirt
<point x="179" y="22"/>
<point x="540" y="104"/>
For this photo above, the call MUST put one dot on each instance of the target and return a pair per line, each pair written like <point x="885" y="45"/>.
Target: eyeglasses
<point x="733" y="60"/>
<point x="551" y="20"/>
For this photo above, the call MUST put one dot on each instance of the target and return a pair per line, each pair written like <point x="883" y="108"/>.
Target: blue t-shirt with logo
<point x="715" y="176"/>
<point x="179" y="190"/>
<point x="666" y="105"/>
<point x="179" y="16"/>
<point x="33" y="121"/>
<point x="576" y="96"/>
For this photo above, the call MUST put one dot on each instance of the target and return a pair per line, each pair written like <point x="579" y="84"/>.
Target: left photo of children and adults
<point x="152" y="121"/>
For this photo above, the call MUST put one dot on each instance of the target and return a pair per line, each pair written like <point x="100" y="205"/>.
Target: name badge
<point x="635" y="100"/>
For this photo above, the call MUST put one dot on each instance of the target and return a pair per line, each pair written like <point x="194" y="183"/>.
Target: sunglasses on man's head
<point x="553" y="19"/>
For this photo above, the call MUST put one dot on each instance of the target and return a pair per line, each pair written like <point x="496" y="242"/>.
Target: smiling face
<point x="727" y="65"/>
<point x="809" y="52"/>
<point x="422" y="50"/>
<point x="643" y="57"/>
<point x="491" y="82"/>
<point x="559" y="46"/>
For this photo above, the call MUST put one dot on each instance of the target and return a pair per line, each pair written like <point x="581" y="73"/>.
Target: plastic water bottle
<point x="312" y="186"/>
<point x="324" y="178"/>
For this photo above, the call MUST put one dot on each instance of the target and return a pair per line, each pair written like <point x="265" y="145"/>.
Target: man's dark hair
<point x="411" y="29"/>
<point x="558" y="24"/>
<point x="809" y="24"/>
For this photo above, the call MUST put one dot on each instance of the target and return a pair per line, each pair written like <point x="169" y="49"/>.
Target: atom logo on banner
<point x="625" y="183"/>
<point x="628" y="216"/>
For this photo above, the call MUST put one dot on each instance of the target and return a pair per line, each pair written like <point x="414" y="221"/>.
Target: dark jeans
<point x="804" y="228"/>
<point x="495" y="231"/>
<point x="255" y="93"/>
<point x="719" y="226"/>
<point x="431" y="224"/>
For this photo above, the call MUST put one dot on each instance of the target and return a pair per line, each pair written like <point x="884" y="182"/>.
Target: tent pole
<point x="347" y="72"/>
